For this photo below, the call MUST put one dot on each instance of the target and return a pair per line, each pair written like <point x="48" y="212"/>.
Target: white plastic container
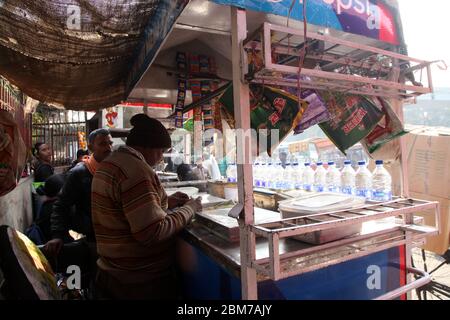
<point x="319" y="203"/>
<point x="316" y="203"/>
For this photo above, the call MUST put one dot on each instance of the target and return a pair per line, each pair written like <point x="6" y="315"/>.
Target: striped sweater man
<point x="134" y="232"/>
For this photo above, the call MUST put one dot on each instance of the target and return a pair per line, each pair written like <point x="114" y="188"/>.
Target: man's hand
<point x="53" y="247"/>
<point x="178" y="199"/>
<point x="195" y="204"/>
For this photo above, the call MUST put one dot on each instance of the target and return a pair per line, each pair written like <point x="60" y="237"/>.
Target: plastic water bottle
<point x="308" y="177"/>
<point x="297" y="176"/>
<point x="228" y="172"/>
<point x="270" y="183"/>
<point x="320" y="178"/>
<point x="333" y="178"/>
<point x="263" y="176"/>
<point x="381" y="183"/>
<point x="348" y="178"/>
<point x="278" y="176"/>
<point x="287" y="177"/>
<point x="232" y="173"/>
<point x="363" y="181"/>
<point x="256" y="174"/>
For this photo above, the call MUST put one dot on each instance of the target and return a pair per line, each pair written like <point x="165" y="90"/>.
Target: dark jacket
<point x="72" y="210"/>
<point x="42" y="171"/>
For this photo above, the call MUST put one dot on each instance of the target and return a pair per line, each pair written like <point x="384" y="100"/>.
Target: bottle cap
<point x="361" y="163"/>
<point x="319" y="164"/>
<point x="378" y="162"/>
<point x="347" y="162"/>
<point x="330" y="163"/>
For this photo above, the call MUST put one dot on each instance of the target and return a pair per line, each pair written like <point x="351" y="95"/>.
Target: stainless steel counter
<point x="227" y="254"/>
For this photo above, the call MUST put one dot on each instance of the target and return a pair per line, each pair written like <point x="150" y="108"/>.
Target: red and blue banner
<point x="371" y="18"/>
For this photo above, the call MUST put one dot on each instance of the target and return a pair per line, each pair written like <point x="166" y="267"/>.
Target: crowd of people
<point x="113" y="200"/>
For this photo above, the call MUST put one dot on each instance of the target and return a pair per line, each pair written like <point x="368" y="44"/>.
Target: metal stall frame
<point x="406" y="234"/>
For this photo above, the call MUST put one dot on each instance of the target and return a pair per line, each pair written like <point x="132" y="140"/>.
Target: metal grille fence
<point x="63" y="136"/>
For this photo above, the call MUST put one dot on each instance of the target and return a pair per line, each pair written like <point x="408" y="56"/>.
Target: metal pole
<point x="245" y="180"/>
<point x="408" y="218"/>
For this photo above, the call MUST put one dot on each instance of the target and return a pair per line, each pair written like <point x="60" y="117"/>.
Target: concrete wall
<point x="16" y="206"/>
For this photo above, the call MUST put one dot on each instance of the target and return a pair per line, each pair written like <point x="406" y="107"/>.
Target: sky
<point x="426" y="25"/>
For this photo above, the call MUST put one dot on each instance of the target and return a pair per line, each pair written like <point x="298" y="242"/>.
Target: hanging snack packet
<point x="352" y="118"/>
<point x="271" y="109"/>
<point x="389" y="128"/>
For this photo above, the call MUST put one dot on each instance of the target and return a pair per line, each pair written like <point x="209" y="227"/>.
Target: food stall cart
<point x="357" y="49"/>
<point x="351" y="57"/>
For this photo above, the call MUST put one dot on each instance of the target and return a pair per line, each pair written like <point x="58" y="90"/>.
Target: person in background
<point x="52" y="187"/>
<point x="72" y="211"/>
<point x="134" y="231"/>
<point x="185" y="173"/>
<point x="42" y="165"/>
<point x="50" y="190"/>
<point x="199" y="171"/>
<point x="80" y="154"/>
<point x="170" y="159"/>
<point x="77" y="192"/>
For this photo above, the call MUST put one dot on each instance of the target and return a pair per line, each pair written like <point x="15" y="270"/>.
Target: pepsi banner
<point x="371" y="18"/>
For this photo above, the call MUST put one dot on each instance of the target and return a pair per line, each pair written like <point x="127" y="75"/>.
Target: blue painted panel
<point x="345" y="281"/>
<point x="371" y="18"/>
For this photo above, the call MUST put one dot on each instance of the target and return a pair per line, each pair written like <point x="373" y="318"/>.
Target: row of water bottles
<point x="375" y="186"/>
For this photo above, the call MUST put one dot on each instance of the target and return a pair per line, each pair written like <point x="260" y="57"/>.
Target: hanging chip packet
<point x="388" y="128"/>
<point x="352" y="118"/>
<point x="271" y="109"/>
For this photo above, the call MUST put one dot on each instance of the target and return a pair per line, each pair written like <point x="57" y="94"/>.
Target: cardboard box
<point x="429" y="162"/>
<point x="428" y="158"/>
<point x="441" y="243"/>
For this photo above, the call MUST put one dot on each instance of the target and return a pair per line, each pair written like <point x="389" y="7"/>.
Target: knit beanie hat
<point x="148" y="133"/>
